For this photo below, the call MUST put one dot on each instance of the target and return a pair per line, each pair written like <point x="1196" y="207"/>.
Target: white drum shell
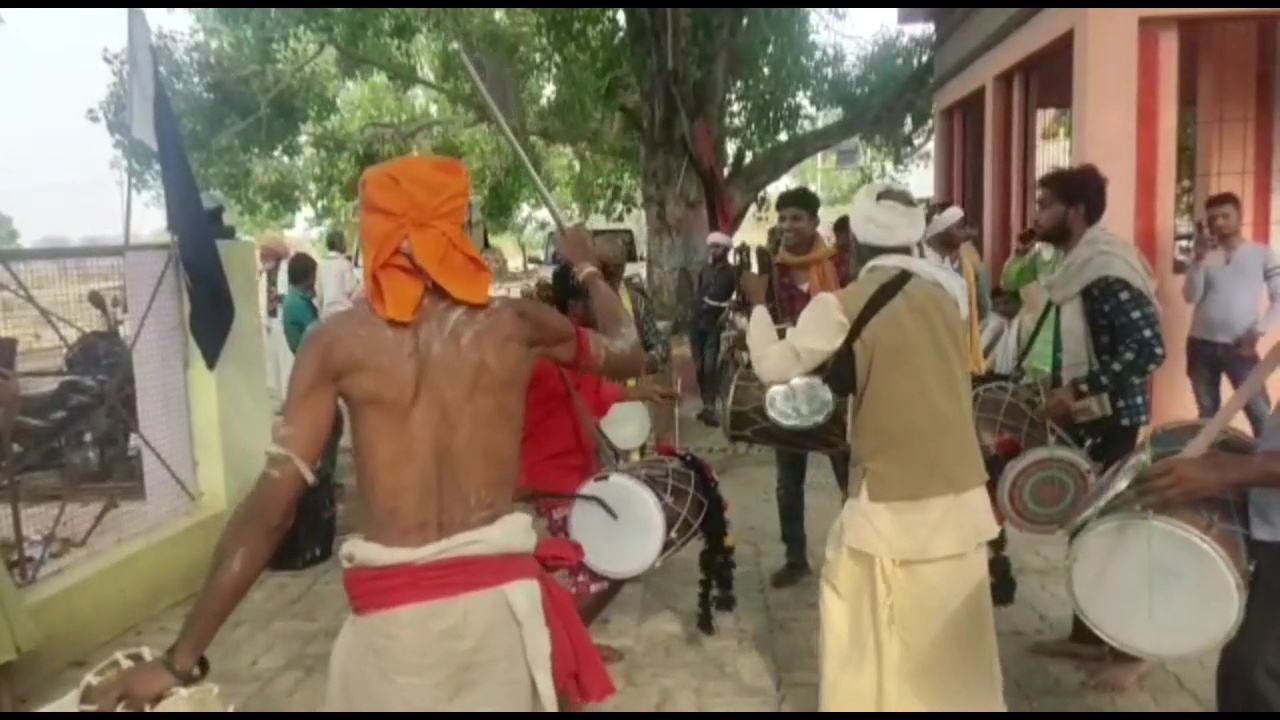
<point x="1154" y="587"/>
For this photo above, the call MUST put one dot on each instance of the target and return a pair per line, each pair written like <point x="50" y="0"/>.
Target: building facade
<point x="1172" y="104"/>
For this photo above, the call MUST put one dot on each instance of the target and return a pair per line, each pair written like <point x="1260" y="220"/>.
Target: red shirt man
<point x="557" y="452"/>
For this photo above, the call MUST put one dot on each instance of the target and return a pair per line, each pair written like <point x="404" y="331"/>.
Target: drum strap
<point x="605" y="454"/>
<point x="840" y="375"/>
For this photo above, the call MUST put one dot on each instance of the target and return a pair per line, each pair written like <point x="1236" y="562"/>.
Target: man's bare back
<point x="437" y="412"/>
<point x="437" y="409"/>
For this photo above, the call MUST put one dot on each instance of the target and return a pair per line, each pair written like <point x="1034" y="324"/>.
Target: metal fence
<point x="73" y="452"/>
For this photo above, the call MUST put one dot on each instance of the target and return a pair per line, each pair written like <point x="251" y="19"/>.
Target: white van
<point x="635" y="263"/>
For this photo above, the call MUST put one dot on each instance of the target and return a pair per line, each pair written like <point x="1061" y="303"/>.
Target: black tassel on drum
<point x="716" y="561"/>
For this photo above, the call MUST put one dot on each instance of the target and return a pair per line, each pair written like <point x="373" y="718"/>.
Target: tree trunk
<point x="675" y="211"/>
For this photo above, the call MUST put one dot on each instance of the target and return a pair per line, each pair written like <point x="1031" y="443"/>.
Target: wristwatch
<point x="189" y="677"/>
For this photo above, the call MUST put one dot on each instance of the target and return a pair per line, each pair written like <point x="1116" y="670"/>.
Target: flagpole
<point x="128" y="205"/>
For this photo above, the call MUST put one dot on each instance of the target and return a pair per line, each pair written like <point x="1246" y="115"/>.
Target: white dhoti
<point x="908" y="636"/>
<point x="487" y="650"/>
<point x="279" y="361"/>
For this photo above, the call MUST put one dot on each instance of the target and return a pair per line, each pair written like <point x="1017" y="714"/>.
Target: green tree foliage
<point x="9" y="234"/>
<point x="283" y="107"/>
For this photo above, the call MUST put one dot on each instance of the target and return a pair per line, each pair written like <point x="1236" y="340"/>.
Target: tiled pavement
<point x="272" y="656"/>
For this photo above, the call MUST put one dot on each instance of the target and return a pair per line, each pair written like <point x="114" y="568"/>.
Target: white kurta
<point x="905" y="601"/>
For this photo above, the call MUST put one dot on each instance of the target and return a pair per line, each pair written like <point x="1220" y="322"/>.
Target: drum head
<point x="201" y="698"/>
<point x="1039" y="490"/>
<point x="1007" y="412"/>
<point x="1169" y="438"/>
<point x="1154" y="587"/>
<point x="1163" y="441"/>
<point x="801" y="403"/>
<point x="627" y="425"/>
<point x="625" y="547"/>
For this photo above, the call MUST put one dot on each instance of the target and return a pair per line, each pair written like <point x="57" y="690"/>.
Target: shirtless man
<point x="434" y="376"/>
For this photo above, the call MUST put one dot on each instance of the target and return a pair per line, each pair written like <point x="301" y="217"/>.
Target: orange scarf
<point x="818" y="261"/>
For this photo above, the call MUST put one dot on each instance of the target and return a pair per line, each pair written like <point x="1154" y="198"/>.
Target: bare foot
<point x="1067" y="649"/>
<point x="609" y="654"/>
<point x="1118" y="677"/>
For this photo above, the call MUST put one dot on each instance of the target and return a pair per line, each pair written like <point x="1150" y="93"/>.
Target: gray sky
<point x="55" y="166"/>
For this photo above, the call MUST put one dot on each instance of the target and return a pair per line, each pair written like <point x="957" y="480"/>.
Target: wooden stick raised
<point x="1251" y="386"/>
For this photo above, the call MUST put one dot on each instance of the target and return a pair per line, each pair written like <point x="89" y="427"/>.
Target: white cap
<point x="718" y="238"/>
<point x="944" y="221"/>
<point x="885" y="223"/>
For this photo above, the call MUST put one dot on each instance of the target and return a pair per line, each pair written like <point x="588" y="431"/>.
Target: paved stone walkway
<point x="272" y="656"/>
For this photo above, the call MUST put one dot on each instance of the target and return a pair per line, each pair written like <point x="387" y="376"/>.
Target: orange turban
<point x="419" y="202"/>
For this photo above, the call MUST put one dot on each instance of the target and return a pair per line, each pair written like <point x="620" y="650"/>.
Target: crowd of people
<point x="1075" y="312"/>
<point x="464" y="409"/>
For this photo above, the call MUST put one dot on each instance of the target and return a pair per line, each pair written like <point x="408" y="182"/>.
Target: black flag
<point x="153" y="122"/>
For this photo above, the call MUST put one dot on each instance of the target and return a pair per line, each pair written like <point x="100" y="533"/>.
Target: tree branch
<point x="410" y="77"/>
<point x="746" y="184"/>
<point x="729" y="26"/>
<point x="265" y="100"/>
<point x="401" y="132"/>
<point x="605" y="138"/>
<point x="735" y="164"/>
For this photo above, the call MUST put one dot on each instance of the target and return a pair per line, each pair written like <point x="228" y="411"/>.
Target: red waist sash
<point x="576" y="667"/>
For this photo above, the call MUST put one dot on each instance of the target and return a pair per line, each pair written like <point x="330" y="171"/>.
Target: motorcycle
<point x="83" y="424"/>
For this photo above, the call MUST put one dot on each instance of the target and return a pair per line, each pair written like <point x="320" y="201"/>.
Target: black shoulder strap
<point x="841" y="371"/>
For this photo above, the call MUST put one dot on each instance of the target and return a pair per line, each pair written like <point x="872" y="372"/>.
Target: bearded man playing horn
<point x="907" y="618"/>
<point x="452" y="608"/>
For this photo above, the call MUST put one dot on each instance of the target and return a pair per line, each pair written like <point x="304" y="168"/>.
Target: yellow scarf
<point x="818" y="261"/>
<point x="968" y="269"/>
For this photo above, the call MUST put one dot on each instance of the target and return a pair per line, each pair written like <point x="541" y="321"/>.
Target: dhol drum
<point x="1010" y="414"/>
<point x="627" y="425"/>
<point x="1040" y="489"/>
<point x="746" y="418"/>
<point x="1160" y="583"/>
<point x="202" y="697"/>
<point x="632" y="517"/>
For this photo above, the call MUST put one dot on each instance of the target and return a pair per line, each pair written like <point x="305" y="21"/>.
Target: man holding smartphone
<point x="1226" y="276"/>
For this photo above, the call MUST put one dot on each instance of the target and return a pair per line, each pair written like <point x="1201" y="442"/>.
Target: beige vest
<point x="911" y="418"/>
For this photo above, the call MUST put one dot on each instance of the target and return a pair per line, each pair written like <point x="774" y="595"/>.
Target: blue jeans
<point x="1207" y="362"/>
<point x="792" y="468"/>
<point x="704" y="345"/>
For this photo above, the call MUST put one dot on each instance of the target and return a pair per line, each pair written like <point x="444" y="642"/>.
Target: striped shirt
<point x="1225" y="289"/>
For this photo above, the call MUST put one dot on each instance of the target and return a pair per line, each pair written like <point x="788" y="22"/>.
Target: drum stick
<point x="505" y="128"/>
<point x="1251" y="386"/>
<point x="675" y="441"/>
<point x="547" y="495"/>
